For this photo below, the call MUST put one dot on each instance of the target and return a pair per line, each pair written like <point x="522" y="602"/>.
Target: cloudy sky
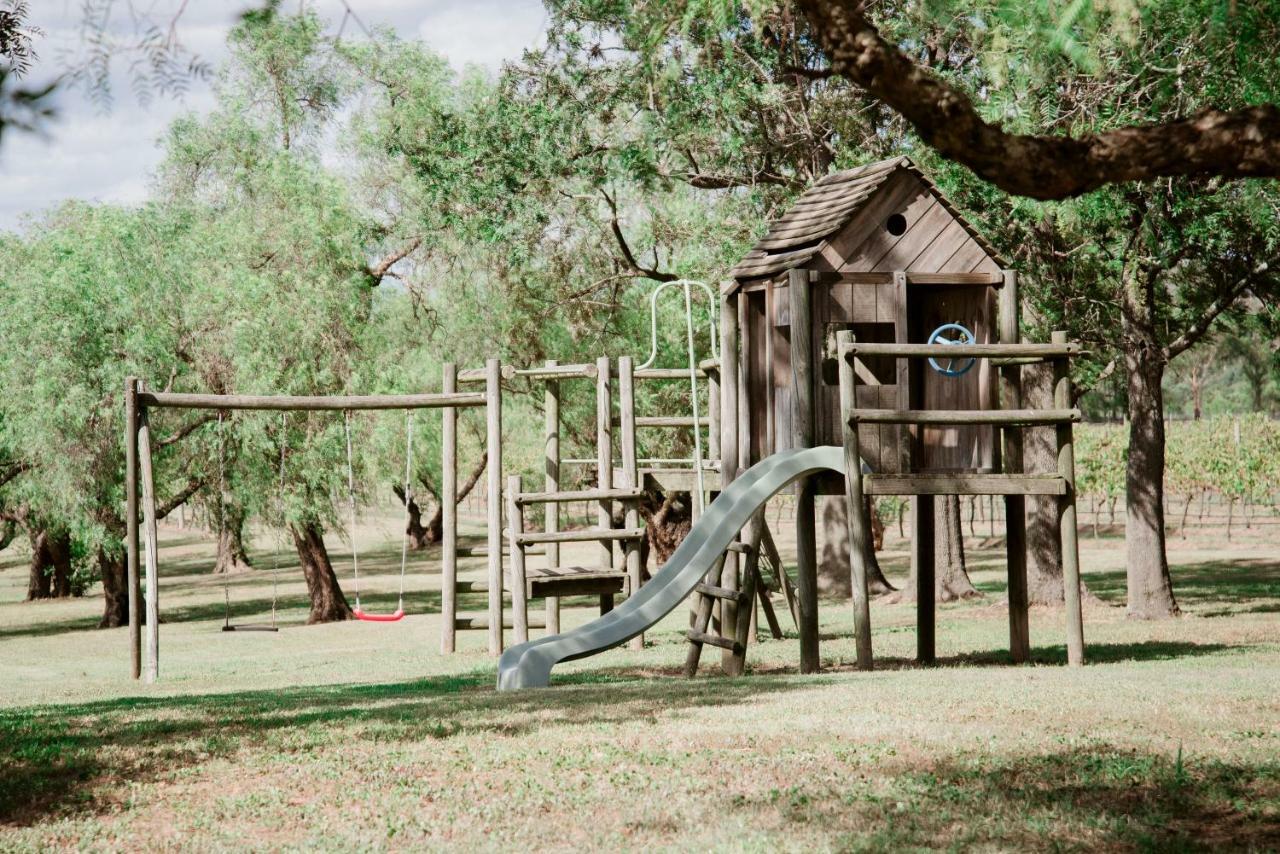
<point x="108" y="155"/>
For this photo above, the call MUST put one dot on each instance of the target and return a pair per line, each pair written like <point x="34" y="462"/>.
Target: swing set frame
<point x="140" y="497"/>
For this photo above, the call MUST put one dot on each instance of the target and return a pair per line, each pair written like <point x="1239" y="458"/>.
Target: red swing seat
<point x="378" y="618"/>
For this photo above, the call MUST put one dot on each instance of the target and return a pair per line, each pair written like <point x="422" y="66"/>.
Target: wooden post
<point x="735" y="662"/>
<point x="713" y="414"/>
<point x="922" y="559"/>
<point x="551" y="455"/>
<point x="515" y="527"/>
<point x="859" y="536"/>
<point x="493" y="412"/>
<point x="1011" y="456"/>
<point x="449" y="516"/>
<point x="729" y="390"/>
<point x="1067" y="510"/>
<point x="730" y="428"/>
<point x="631" y="474"/>
<point x="152" y="669"/>
<point x="131" y="521"/>
<point x="802" y="437"/>
<point x="604" y="455"/>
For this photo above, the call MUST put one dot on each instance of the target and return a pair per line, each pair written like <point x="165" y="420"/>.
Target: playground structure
<point x="818" y="384"/>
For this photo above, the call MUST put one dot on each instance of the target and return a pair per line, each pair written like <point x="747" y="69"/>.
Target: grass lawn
<point x="356" y="736"/>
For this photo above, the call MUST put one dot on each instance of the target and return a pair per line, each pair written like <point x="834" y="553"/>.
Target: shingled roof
<point x="822" y="211"/>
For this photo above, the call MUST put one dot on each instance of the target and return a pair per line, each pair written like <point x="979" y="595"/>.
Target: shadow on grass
<point x="1208" y="583"/>
<point x="1096" y="797"/>
<point x="56" y="760"/>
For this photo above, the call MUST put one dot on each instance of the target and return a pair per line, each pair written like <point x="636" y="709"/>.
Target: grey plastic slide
<point x="529" y="664"/>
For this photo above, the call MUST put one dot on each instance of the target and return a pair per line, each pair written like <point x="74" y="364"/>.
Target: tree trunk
<point x="950" y="574"/>
<point x="1197" y="392"/>
<point x="328" y="604"/>
<point x="1150" y="590"/>
<point x="666" y="525"/>
<point x="1044" y="540"/>
<point x="949" y="564"/>
<point x="114" y="571"/>
<point x="50" y="576"/>
<point x="41" y="567"/>
<point x="420" y="536"/>
<point x="833" y="568"/>
<point x="232" y="555"/>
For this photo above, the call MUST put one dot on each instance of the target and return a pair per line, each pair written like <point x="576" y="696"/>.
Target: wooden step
<point x="740" y="548"/>
<point x="585" y="535"/>
<point x="718" y="592"/>
<point x="482" y="551"/>
<point x="574" y="581"/>
<point x="579" y="495"/>
<point x="715" y="640"/>
<point x="464" y="624"/>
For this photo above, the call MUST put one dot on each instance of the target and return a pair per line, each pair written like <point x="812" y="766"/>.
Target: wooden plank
<point x="552" y="370"/>
<point x="859" y="536"/>
<point x="449" y="516"/>
<point x="905" y="443"/>
<point x="622" y="493"/>
<point x="481" y="622"/>
<point x="999" y="417"/>
<point x="968" y="255"/>
<point x="151" y="669"/>
<point x="802" y="428"/>
<point x="131" y="522"/>
<point x="963" y="484"/>
<point x="493" y="501"/>
<point x="172" y="400"/>
<point x="588" y="535"/>
<point x="586" y="585"/>
<point x="920" y="232"/>
<point x="864" y="240"/>
<point x="739" y="614"/>
<point x="935" y="253"/>
<point x="961" y="351"/>
<point x="1062" y="394"/>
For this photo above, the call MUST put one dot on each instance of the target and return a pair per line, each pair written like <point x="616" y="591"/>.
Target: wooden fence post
<point x="1067" y="521"/>
<point x="493" y="412"/>
<point x="449" y="516"/>
<point x="551" y="483"/>
<point x="151" y="548"/>
<point x="859" y="536"/>
<point x="631" y="473"/>
<point x="1014" y="505"/>
<point x="131" y="521"/>
<point x="604" y="455"/>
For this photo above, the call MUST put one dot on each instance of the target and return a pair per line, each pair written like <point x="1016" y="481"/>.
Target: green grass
<point x="360" y="736"/>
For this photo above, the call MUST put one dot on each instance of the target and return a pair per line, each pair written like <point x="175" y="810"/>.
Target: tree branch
<point x="616" y="227"/>
<point x="186" y="430"/>
<point x="378" y="272"/>
<point x="1234" y="144"/>
<point x="13" y="471"/>
<point x="1197" y="330"/>
<point x="184" y="495"/>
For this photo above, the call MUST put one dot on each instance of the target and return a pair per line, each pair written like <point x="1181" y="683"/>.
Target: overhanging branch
<point x="1234" y="144"/>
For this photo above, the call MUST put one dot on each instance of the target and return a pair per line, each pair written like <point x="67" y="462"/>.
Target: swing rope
<point x="360" y="613"/>
<point x="222" y="528"/>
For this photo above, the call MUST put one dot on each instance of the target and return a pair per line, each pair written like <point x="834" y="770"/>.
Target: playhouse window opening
<point x="896" y="224"/>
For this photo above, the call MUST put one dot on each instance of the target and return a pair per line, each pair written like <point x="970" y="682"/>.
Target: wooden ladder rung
<point x="740" y="548"/>
<point x="481" y="551"/>
<point x="714" y="640"/>
<point x="718" y="592"/>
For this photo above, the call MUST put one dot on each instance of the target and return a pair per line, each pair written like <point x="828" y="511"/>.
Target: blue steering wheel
<point x="952" y="333"/>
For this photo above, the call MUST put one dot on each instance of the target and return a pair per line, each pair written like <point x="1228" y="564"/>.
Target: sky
<point x="108" y="155"/>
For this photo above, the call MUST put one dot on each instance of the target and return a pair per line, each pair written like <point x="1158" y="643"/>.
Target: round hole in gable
<point x="896" y="225"/>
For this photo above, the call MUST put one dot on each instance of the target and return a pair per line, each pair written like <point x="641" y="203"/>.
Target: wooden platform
<point x="963" y="484"/>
